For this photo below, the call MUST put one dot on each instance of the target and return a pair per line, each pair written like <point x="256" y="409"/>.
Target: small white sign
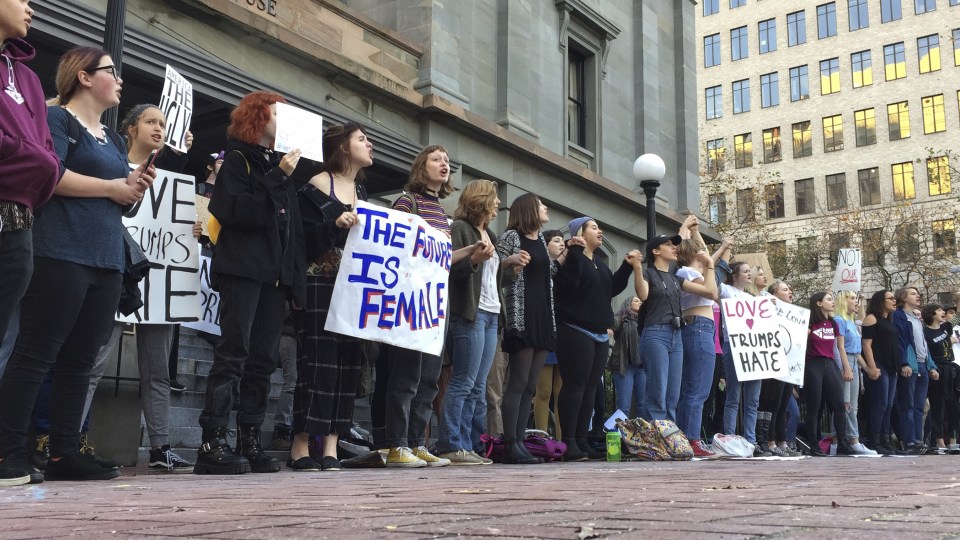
<point x="176" y="103"/>
<point x="847" y="276"/>
<point x="299" y="129"/>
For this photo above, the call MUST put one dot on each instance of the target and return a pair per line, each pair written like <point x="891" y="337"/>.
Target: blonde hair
<point x="687" y="251"/>
<point x="475" y="200"/>
<point x="843" y="298"/>
<point x="71" y="64"/>
<point x="752" y="286"/>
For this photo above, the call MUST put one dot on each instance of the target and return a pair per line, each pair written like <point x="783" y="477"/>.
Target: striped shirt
<point x="428" y="207"/>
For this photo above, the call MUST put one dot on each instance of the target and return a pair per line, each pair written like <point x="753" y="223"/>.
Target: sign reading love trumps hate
<point x="753" y="329"/>
<point x="392" y="283"/>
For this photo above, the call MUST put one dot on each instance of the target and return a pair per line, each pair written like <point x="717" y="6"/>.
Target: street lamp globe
<point x="648" y="170"/>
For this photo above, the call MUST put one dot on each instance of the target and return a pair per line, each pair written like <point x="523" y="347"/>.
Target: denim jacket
<point x="908" y="354"/>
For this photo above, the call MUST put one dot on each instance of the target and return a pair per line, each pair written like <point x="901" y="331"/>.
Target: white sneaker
<point x="861" y="450"/>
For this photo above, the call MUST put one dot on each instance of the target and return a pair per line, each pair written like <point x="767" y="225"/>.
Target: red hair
<point x="251" y="116"/>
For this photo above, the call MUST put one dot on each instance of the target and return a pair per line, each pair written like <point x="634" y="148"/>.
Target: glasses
<point x="111" y="69"/>
<point x="889" y="298"/>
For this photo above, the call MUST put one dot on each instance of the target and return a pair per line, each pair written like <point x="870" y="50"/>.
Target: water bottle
<point x="613" y="445"/>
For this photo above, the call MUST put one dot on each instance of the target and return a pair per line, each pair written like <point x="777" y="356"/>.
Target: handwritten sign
<point x="392" y="283"/>
<point x="209" y="302"/>
<point x="754" y="333"/>
<point x="794" y="322"/>
<point x="162" y="224"/>
<point x="297" y="128"/>
<point x="176" y="103"/>
<point x="847" y="276"/>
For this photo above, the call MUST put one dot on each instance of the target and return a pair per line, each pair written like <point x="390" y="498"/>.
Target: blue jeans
<point x="633" y="384"/>
<point x="463" y="416"/>
<point x="699" y="359"/>
<point x="883" y="391"/>
<point x="911" y="395"/>
<point x="662" y="351"/>
<point x="793" y="418"/>
<point x="751" y="400"/>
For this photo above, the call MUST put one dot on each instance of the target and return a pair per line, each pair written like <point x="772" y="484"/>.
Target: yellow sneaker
<point x="403" y="457"/>
<point x="432" y="460"/>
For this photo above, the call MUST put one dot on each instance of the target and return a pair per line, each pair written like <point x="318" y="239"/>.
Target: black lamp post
<point x="113" y="43"/>
<point x="648" y="170"/>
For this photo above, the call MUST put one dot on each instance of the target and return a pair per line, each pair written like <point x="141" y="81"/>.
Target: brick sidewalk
<point x="822" y="498"/>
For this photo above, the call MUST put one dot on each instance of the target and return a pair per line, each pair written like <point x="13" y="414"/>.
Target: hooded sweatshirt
<point x="29" y="166"/>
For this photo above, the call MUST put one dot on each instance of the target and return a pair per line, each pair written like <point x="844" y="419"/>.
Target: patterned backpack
<point x="660" y="440"/>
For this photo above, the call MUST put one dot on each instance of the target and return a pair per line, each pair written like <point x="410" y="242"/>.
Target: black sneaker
<point x="78" y="467"/>
<point x="280" y="439"/>
<point x="216" y="456"/>
<point x="15" y="471"/>
<point x="304" y="464"/>
<point x="87" y="449"/>
<point x="176" y="387"/>
<point x="164" y="459"/>
<point x="329" y="463"/>
<point x="41" y="452"/>
<point x="36" y="476"/>
<point x="248" y="446"/>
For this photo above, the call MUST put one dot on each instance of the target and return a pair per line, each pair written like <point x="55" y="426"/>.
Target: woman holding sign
<point x="821" y="378"/>
<point x="79" y="259"/>
<point x="259" y="265"/>
<point x="328" y="370"/>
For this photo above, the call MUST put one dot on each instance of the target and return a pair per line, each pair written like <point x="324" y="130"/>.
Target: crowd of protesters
<point x="538" y="302"/>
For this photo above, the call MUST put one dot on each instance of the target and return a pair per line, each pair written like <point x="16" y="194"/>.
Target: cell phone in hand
<point x="151" y="159"/>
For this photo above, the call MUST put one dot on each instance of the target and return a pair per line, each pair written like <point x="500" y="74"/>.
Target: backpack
<point x="75" y="131"/>
<point x="660" y="440"/>
<point x="537" y="442"/>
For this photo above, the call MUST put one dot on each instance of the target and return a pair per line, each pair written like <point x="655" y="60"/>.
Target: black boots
<point x="515" y="454"/>
<point x="585" y="447"/>
<point x="248" y="446"/>
<point x="216" y="456"/>
<point x="574" y="453"/>
<point x="886" y="447"/>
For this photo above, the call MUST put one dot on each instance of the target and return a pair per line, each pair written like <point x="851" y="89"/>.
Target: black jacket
<point x="320" y="212"/>
<point x="261" y="236"/>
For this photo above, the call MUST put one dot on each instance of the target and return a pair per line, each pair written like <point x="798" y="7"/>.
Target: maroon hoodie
<point x="29" y="166"/>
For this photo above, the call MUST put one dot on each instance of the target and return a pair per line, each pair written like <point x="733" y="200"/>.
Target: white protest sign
<point x="209" y="302"/>
<point x="956" y="346"/>
<point x="162" y="224"/>
<point x="297" y="128"/>
<point x="847" y="276"/>
<point x="392" y="283"/>
<point x="794" y="324"/>
<point x="754" y="333"/>
<point x="176" y="103"/>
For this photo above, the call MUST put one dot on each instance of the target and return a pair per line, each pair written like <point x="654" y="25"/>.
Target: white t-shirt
<point x="690" y="300"/>
<point x="489" y="299"/>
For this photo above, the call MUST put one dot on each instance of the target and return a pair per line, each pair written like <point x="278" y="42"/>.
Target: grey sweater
<point x="466" y="277"/>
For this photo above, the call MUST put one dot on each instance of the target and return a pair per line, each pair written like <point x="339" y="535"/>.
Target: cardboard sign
<point x="849" y="271"/>
<point x="297" y="128"/>
<point x="753" y="329"/>
<point x="203" y="213"/>
<point x="176" y="103"/>
<point x="392" y="282"/>
<point x="794" y="323"/>
<point x="162" y="224"/>
<point x="209" y="302"/>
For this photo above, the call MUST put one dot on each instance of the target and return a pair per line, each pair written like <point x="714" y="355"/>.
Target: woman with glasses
<point x="881" y="352"/>
<point x="79" y="258"/>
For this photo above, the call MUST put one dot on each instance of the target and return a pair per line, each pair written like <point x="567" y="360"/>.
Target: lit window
<point x="829" y="76"/>
<point x="771" y="145"/>
<point x="934" y="120"/>
<point x="743" y="150"/>
<point x="866" y="126"/>
<point x="898" y="120"/>
<point x="894" y="61"/>
<point x="928" y="50"/>
<point x="802" y="140"/>
<point x="903" y="188"/>
<point x="833" y="133"/>
<point x="944" y="238"/>
<point x="938" y="175"/>
<point x="715" y="156"/>
<point x="862" y="68"/>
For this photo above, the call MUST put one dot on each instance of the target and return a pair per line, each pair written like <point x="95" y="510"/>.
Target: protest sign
<point x="176" y="103"/>
<point x="162" y="224"/>
<point x="392" y="283"/>
<point x="297" y="128"/>
<point x="203" y="213"/>
<point x="754" y="333"/>
<point x="209" y="302"/>
<point x="847" y="276"/>
<point x="794" y="324"/>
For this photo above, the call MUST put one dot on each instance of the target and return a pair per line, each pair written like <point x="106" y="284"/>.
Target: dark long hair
<point x="817" y="314"/>
<point x="875" y="305"/>
<point x="336" y="148"/>
<point x="525" y="214"/>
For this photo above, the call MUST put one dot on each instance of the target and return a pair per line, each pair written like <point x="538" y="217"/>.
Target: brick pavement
<point x="900" y="498"/>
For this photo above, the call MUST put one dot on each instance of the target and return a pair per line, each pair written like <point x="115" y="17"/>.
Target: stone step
<point x="189" y="336"/>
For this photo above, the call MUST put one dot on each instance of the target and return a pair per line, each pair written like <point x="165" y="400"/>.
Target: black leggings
<point x="525" y="366"/>
<point x="581" y="362"/>
<point x="774" y="396"/>
<point x="822" y="377"/>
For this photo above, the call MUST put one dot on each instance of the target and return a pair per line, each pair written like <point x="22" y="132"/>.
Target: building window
<point x="826" y="20"/>
<point x="938" y="175"/>
<point x="829" y="76"/>
<point x="928" y="51"/>
<point x="908" y="242"/>
<point x="924" y="6"/>
<point x="774" y="195"/>
<point x="858" y="14"/>
<point x="903" y="188"/>
<point x="711" y="7"/>
<point x="833" y="133"/>
<point x="808" y="254"/>
<point x="715" y="156"/>
<point x="714" y="102"/>
<point x="898" y="120"/>
<point x="890" y="11"/>
<point x="956" y="46"/>
<point x="873" y="247"/>
<point x="933" y="119"/>
<point x="894" y="61"/>
<point x="737" y="3"/>
<point x="771" y="145"/>
<point x="835" y="242"/>
<point x="743" y="150"/>
<point x="745" y="206"/>
<point x="806" y="198"/>
<point x="866" y="126"/>
<point x="862" y="68"/>
<point x="769" y="90"/>
<point x="869" y="180"/>
<point x="836" y="191"/>
<point x="944" y="238"/>
<point x="739" y="45"/>
<point x="799" y="84"/>
<point x="796" y="28"/>
<point x="718" y="208"/>
<point x="741" y="96"/>
<point x="711" y="50"/>
<point x="576" y="99"/>
<point x="802" y="140"/>
<point x="768" y="36"/>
